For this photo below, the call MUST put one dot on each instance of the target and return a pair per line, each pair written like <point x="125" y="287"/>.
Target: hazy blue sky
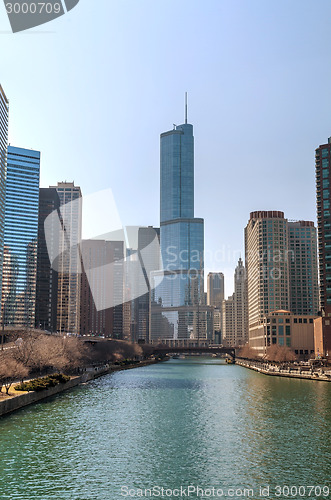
<point x="93" y="90"/>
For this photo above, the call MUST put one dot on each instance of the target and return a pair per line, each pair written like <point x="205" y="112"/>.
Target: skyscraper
<point x="303" y="269"/>
<point x="100" y="287"/>
<point x="69" y="265"/>
<point x="47" y="282"/>
<point x="234" y="311"/>
<point x="266" y="249"/>
<point x="323" y="179"/>
<point x="146" y="235"/>
<point x="229" y="321"/>
<point x="240" y="304"/>
<point x="177" y="301"/>
<point x="20" y="237"/>
<point x="4" y="109"/>
<point x="281" y="269"/>
<point x="215" y="289"/>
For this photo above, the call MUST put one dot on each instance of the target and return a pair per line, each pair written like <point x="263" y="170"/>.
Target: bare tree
<point x="280" y="354"/>
<point x="248" y="353"/>
<point x="11" y="371"/>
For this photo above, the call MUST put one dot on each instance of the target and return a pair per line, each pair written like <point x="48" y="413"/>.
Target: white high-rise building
<point x="240" y="304"/>
<point x="234" y="311"/>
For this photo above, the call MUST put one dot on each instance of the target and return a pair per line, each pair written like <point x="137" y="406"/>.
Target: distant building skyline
<point x="215" y="289"/>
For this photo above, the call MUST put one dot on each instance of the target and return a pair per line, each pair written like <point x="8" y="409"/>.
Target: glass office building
<point x="4" y="107"/>
<point x="178" y="312"/>
<point x="20" y="237"/>
<point x="46" y="296"/>
<point x="68" y="264"/>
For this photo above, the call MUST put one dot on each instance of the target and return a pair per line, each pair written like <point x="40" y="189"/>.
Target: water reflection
<point x="182" y="422"/>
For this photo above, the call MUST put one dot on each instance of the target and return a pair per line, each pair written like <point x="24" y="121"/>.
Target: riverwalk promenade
<point x="300" y="372"/>
<point x="18" y="400"/>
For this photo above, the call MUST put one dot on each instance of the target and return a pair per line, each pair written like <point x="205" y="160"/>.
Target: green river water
<point x="176" y="425"/>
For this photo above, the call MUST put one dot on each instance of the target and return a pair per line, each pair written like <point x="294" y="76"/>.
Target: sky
<point x="93" y="90"/>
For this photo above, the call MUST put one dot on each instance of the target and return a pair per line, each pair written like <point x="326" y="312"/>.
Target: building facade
<point x="4" y="110"/>
<point x="303" y="270"/>
<point x="229" y="322"/>
<point x="68" y="264"/>
<point x="100" y="287"/>
<point x="323" y="196"/>
<point x="240" y="305"/>
<point x="177" y="309"/>
<point x="152" y="258"/>
<point x="215" y="289"/>
<point x="281" y="264"/>
<point x="47" y="276"/>
<point x="284" y="328"/>
<point x="267" y="267"/>
<point x="234" y="311"/>
<point x="21" y="237"/>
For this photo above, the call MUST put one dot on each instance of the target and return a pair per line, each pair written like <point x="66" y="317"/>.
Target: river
<point x="175" y="425"/>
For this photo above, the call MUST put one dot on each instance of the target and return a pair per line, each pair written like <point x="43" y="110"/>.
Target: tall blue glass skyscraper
<point x="3" y="168"/>
<point x="178" y="312"/>
<point x="20" y="237"/>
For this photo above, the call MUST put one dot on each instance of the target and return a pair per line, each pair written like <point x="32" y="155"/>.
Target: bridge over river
<point x="164" y="349"/>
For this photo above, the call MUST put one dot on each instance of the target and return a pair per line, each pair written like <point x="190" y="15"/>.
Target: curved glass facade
<point x="20" y="237"/>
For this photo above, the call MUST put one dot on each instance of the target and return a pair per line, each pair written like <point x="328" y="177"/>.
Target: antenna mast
<point x="185" y="107"/>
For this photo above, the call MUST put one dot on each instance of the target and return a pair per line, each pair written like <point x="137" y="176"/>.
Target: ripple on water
<point x="180" y="422"/>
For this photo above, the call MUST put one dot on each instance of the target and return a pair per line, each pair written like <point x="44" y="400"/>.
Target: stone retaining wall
<point x="16" y="402"/>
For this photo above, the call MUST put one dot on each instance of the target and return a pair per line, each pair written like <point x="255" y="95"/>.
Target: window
<point x="280" y="330"/>
<point x="274" y="340"/>
<point x="281" y="341"/>
<point x="295" y="320"/>
<point x="305" y="320"/>
<point x="288" y="342"/>
<point x="288" y="330"/>
<point x="280" y="320"/>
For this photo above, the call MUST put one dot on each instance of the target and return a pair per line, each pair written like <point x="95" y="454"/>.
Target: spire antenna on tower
<point x="185" y="107"/>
